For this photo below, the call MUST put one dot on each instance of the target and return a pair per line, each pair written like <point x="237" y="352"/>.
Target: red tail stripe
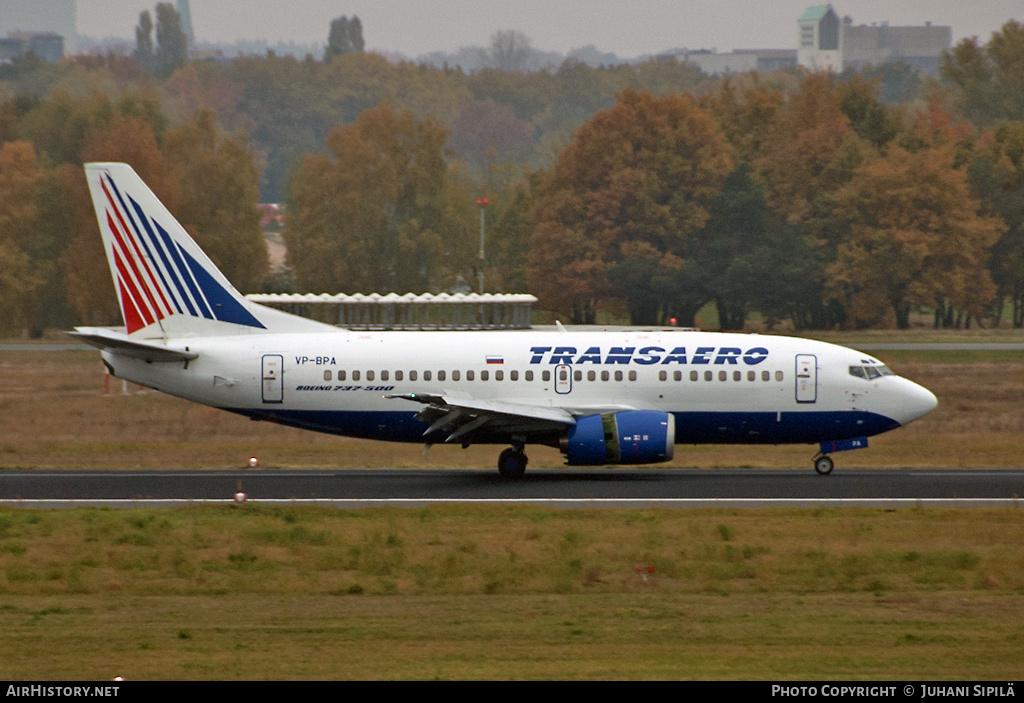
<point x="135" y="296"/>
<point x="132" y="319"/>
<point x="138" y="276"/>
<point x="138" y="255"/>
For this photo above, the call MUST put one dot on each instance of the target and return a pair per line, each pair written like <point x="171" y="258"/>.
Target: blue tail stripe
<point x="163" y="257"/>
<point x="225" y="307"/>
<point x="182" y="269"/>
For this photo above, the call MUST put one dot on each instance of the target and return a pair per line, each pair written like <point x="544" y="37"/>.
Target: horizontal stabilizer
<point x="119" y="343"/>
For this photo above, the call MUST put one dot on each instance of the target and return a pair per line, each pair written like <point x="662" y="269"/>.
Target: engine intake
<point x="627" y="437"/>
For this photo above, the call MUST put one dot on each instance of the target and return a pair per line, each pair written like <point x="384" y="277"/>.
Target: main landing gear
<point x="823" y="464"/>
<point x="512" y="462"/>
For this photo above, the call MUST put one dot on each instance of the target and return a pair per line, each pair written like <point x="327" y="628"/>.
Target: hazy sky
<point x="628" y="28"/>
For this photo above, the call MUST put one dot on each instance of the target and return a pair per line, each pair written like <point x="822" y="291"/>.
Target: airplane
<point x="602" y="397"/>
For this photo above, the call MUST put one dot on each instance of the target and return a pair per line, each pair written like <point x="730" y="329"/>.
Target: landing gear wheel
<point x="824" y="465"/>
<point x="512" y="463"/>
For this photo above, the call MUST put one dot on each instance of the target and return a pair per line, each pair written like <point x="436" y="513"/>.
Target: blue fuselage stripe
<point x="809" y="427"/>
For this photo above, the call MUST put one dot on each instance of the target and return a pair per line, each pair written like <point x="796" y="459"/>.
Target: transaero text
<point x="647" y="356"/>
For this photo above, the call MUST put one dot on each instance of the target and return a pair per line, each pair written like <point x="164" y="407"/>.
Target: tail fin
<point x="166" y="285"/>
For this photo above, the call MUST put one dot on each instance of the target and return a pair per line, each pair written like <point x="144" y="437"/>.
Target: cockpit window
<point x="870" y="372"/>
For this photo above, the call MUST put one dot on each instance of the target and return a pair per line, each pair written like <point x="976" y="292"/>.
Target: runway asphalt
<point x="611" y="487"/>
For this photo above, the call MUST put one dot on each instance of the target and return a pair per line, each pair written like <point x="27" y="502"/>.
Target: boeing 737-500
<point x="602" y="397"/>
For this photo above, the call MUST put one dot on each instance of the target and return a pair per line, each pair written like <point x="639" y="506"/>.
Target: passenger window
<point x="426" y="375"/>
<point x="484" y="375"/>
<point x="341" y="375"/>
<point x="577" y="375"/>
<point x="778" y="376"/>
<point x="469" y="376"/>
<point x="398" y="375"/>
<point x="370" y="376"/>
<point x="355" y="375"/>
<point x="677" y="375"/>
<point x="708" y="376"/>
<point x="529" y="376"/>
<point x="723" y="375"/>
<point x="751" y="375"/>
<point x="383" y="375"/>
<point x="498" y="375"/>
<point x="605" y="376"/>
<point x="545" y="376"/>
<point x="766" y="375"/>
<point x="618" y="375"/>
<point x="591" y="375"/>
<point x="663" y="375"/>
<point x="737" y="375"/>
<point x="327" y="375"/>
<point x="694" y="375"/>
<point x="514" y="376"/>
<point x="632" y="375"/>
<point x="441" y="375"/>
<point x="412" y="375"/>
<point x="456" y="376"/>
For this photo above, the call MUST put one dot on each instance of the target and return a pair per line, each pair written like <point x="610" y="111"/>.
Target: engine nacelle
<point x="627" y="437"/>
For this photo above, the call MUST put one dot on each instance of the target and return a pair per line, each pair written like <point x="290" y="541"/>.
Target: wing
<point x="462" y="416"/>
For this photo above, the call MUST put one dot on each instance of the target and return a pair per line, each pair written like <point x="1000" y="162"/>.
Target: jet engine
<point x="627" y="437"/>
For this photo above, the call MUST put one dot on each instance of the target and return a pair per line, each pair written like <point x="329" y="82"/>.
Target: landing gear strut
<point x="512" y="463"/>
<point x="823" y="464"/>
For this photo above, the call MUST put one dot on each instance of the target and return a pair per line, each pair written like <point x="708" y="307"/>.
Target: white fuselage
<point x="722" y="388"/>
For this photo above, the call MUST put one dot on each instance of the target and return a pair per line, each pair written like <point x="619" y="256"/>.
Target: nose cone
<point x="912" y="401"/>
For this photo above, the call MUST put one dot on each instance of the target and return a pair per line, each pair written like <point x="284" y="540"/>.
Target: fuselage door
<point x="273" y="382"/>
<point x="563" y="379"/>
<point x="806" y="378"/>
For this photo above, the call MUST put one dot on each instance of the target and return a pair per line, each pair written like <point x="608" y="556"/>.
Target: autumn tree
<point x="172" y="44"/>
<point x="997" y="178"/>
<point x="988" y="79"/>
<point x="345" y="36"/>
<point x="144" y="55"/>
<point x="384" y="213"/>
<point x="510" y="50"/>
<point x="21" y="276"/>
<point x="913" y="235"/>
<point x="218" y="194"/>
<point x="621" y="211"/>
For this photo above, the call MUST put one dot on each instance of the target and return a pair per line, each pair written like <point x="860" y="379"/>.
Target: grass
<point x="456" y="592"/>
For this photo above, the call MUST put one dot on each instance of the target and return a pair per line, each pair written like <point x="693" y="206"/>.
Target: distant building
<point x="185" y="12"/>
<point x="828" y="44"/>
<point x="46" y="45"/>
<point x="40" y="17"/>
<point x="740" y="60"/>
<point x="819" y="39"/>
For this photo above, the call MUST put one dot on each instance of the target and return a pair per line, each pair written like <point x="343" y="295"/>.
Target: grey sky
<point x="628" y="28"/>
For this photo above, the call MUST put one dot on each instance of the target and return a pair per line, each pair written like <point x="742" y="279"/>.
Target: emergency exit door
<point x="273" y="383"/>
<point x="806" y="378"/>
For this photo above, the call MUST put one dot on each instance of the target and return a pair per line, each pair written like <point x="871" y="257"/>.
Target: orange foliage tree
<point x="633" y="191"/>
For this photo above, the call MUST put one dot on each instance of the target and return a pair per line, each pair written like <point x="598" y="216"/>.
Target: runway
<point x="680" y="488"/>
